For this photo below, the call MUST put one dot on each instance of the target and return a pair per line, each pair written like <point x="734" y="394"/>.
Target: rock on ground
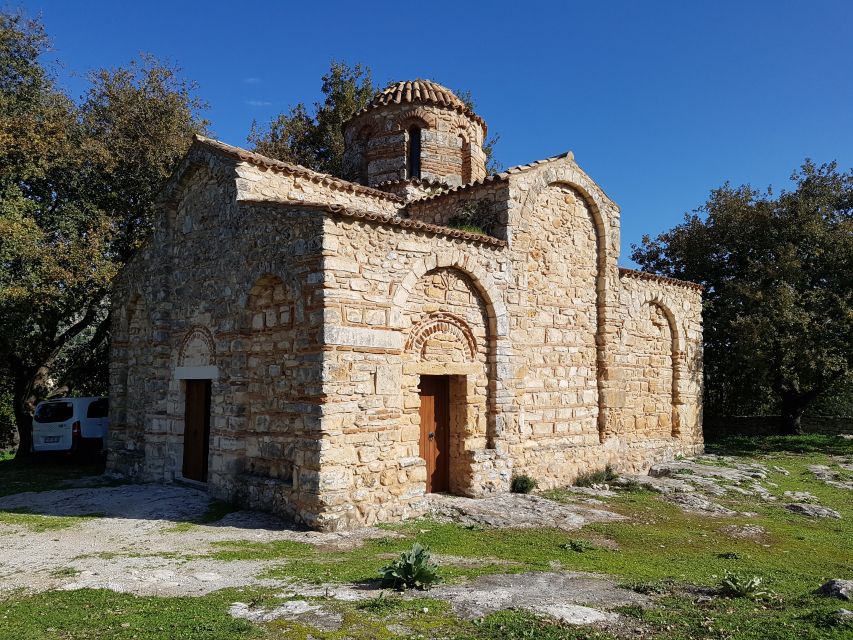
<point x="698" y="504"/>
<point x="813" y="510"/>
<point x="302" y="611"/>
<point x="753" y="532"/>
<point x="573" y="598"/>
<point x="516" y="510"/>
<point x="841" y="589"/>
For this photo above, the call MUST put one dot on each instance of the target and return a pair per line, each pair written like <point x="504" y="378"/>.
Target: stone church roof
<point x="420" y="92"/>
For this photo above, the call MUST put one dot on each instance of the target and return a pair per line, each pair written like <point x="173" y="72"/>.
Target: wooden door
<point x="197" y="430"/>
<point x="435" y="431"/>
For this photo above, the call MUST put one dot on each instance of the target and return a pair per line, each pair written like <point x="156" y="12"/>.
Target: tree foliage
<point x="316" y="140"/>
<point x="778" y="300"/>
<point x="77" y="184"/>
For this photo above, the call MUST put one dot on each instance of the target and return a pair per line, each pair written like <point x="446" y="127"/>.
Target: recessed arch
<point x="567" y="176"/>
<point x="482" y="281"/>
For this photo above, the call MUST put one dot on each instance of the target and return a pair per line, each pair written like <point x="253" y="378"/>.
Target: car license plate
<point x="51" y="439"/>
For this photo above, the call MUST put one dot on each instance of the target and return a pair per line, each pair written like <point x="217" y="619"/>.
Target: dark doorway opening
<point x="196" y="430"/>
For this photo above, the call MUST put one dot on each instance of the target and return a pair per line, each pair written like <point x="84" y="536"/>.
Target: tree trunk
<point x="24" y="422"/>
<point x="27" y="393"/>
<point x="793" y="407"/>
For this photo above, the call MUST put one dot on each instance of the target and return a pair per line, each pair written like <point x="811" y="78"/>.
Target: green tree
<point x="77" y="184"/>
<point x="492" y="163"/>
<point x="317" y="140"/>
<point x="778" y="300"/>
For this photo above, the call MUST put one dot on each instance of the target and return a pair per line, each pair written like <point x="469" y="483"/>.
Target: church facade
<point x="335" y="350"/>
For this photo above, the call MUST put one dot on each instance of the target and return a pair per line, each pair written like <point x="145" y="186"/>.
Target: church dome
<point x="415" y="130"/>
<point x="420" y="92"/>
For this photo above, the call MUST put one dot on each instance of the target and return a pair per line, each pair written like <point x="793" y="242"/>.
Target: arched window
<point x="413" y="155"/>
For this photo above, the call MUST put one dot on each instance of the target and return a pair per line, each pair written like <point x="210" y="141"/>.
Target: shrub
<point x="522" y="484"/>
<point x="413" y="570"/>
<point x="736" y="586"/>
<point x="596" y="477"/>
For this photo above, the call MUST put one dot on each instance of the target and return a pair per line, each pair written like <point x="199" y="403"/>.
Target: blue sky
<point x="660" y="101"/>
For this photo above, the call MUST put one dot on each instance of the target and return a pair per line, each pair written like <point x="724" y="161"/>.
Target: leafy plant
<point x="522" y="484"/>
<point x="414" y="570"/>
<point x="596" y="477"/>
<point x="578" y="546"/>
<point x="737" y="586"/>
<point x="475" y="216"/>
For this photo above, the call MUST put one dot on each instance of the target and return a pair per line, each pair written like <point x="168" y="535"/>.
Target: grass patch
<point x="596" y="477"/>
<point x="754" y="445"/>
<point x="45" y="472"/>
<point x="38" y="523"/>
<point x="90" y="613"/>
<point x="64" y="572"/>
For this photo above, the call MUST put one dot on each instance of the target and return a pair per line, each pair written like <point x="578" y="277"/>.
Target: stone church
<point x="334" y="350"/>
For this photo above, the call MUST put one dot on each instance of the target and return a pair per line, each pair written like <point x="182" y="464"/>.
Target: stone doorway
<point x="196" y="430"/>
<point x="435" y="431"/>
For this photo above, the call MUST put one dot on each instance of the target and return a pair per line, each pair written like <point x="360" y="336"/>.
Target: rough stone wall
<point x="660" y="357"/>
<point x="451" y="144"/>
<point x="398" y="303"/>
<point x="554" y="329"/>
<point x="233" y="290"/>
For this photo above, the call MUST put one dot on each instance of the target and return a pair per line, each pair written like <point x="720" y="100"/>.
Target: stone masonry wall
<point x="383" y="288"/>
<point x="243" y="279"/>
<point x="660" y="355"/>
<point x="489" y="199"/>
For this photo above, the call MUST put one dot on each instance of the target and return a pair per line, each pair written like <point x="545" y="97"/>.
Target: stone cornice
<point x="294" y="169"/>
<point x="644" y="275"/>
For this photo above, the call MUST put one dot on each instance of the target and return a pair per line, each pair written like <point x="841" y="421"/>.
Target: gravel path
<point x="132" y="546"/>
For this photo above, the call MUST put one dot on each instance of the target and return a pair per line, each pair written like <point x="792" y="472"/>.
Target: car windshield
<point x="54" y="412"/>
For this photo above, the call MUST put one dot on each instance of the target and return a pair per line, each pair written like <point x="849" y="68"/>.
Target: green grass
<point x="45" y="472"/>
<point x="38" y="523"/>
<point x="107" y="615"/>
<point x="64" y="572"/>
<point x="659" y="550"/>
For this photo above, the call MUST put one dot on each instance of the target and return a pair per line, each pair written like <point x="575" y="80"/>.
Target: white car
<point x="69" y="424"/>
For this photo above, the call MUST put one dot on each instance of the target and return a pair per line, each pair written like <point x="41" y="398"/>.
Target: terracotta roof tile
<point x="419" y="92"/>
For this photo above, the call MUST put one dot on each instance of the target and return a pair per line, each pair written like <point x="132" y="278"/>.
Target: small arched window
<point x="413" y="155"/>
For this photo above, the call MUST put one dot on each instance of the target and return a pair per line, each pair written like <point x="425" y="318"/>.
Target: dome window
<point x="413" y="153"/>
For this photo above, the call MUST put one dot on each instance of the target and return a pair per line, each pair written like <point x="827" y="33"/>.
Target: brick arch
<point x="419" y="116"/>
<point x="203" y="334"/>
<point x="482" y="281"/>
<point x="442" y="322"/>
